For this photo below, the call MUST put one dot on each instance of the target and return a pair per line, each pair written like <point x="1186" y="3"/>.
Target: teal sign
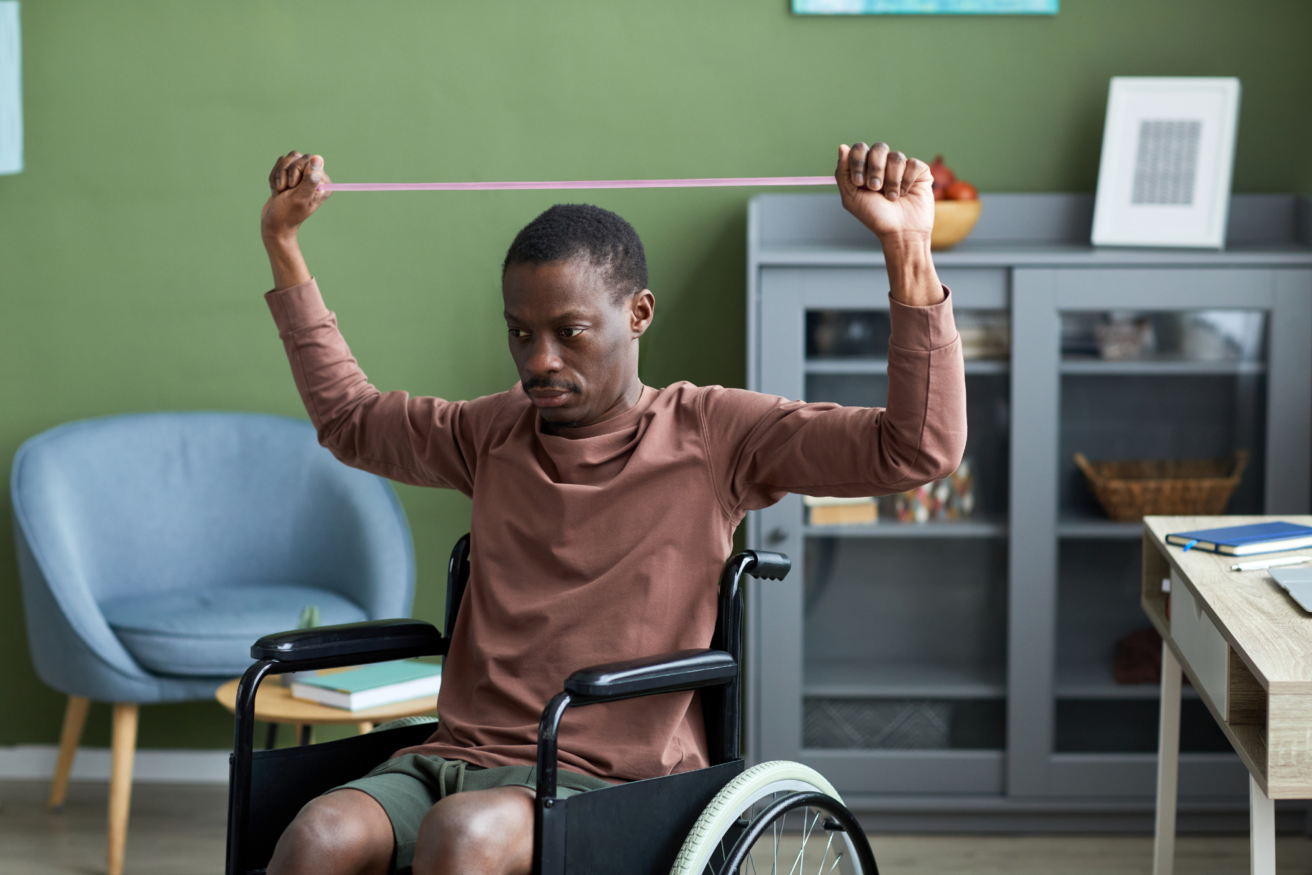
<point x="925" y="7"/>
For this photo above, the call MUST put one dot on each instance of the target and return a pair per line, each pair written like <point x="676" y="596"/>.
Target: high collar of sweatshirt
<point x="593" y="454"/>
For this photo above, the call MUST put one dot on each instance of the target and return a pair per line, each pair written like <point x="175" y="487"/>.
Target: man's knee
<point x="488" y="829"/>
<point x="343" y="833"/>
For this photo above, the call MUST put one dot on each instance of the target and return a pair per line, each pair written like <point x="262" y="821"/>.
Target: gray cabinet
<point x="954" y="673"/>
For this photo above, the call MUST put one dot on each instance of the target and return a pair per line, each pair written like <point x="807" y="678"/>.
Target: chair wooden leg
<point x="120" y="783"/>
<point x="75" y="717"/>
<point x="365" y="726"/>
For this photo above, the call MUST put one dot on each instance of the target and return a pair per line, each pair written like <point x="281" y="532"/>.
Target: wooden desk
<point x="1247" y="649"/>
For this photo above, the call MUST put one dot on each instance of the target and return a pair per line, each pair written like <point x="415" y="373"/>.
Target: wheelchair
<point x="775" y="817"/>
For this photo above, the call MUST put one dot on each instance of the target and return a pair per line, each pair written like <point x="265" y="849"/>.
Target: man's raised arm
<point x="424" y="441"/>
<point x="893" y="196"/>
<point x="294" y="196"/>
<point x="763" y="447"/>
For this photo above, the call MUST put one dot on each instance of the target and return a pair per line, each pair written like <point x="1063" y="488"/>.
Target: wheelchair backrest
<point x="457" y="578"/>
<point x="721" y="706"/>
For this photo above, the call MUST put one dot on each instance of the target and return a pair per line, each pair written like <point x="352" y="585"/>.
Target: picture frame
<point x="11" y="90"/>
<point x="925" y="7"/>
<point x="1167" y="162"/>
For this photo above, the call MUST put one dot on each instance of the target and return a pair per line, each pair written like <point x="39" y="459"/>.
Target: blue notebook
<point x="1245" y="540"/>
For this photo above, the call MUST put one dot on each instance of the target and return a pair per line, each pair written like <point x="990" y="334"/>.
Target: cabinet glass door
<point x="1158" y="387"/>
<point x="905" y="605"/>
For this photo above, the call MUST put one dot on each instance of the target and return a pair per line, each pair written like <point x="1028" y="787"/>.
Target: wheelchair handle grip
<point x="772" y="566"/>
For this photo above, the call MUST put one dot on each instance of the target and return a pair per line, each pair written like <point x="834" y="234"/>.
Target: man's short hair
<point x="568" y="231"/>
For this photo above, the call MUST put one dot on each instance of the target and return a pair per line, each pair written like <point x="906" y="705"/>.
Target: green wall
<point x="130" y="263"/>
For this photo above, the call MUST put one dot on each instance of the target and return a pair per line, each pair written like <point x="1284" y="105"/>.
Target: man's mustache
<point x="553" y="385"/>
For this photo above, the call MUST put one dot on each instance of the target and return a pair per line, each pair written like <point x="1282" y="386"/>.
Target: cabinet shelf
<point x="870" y="680"/>
<point x="1159" y="367"/>
<point x="1098" y="528"/>
<point x="879" y="366"/>
<point x="1093" y="680"/>
<point x="977" y="527"/>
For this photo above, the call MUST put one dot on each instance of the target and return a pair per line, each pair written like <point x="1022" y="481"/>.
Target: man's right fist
<point x="294" y="194"/>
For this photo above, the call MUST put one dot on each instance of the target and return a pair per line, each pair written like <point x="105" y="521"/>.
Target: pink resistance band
<point x="590" y="183"/>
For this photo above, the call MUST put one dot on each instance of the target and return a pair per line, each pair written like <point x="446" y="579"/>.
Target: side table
<point x="274" y="705"/>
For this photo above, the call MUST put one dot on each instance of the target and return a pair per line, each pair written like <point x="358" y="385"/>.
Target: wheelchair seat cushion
<point x="209" y="632"/>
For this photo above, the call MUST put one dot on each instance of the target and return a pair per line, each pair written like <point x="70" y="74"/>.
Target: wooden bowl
<point x="953" y="221"/>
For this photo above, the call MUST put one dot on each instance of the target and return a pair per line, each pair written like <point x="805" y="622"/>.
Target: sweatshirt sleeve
<point x="763" y="446"/>
<point x="421" y="441"/>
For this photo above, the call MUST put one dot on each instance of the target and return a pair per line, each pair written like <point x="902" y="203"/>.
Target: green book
<point x="371" y="685"/>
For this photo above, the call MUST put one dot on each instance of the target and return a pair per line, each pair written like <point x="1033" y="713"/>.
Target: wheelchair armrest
<point x="374" y="640"/>
<point x="651" y="675"/>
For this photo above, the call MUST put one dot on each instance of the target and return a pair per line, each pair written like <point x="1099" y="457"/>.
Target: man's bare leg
<point x="479" y="832"/>
<point x="345" y="832"/>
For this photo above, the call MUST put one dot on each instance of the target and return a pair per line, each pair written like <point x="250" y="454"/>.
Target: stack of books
<point x="370" y="686"/>
<point x="840" y="511"/>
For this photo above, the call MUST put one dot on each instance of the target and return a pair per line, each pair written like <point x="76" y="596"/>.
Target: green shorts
<point x="409" y="785"/>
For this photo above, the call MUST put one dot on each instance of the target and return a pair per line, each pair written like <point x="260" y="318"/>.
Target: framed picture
<point x="925" y="7"/>
<point x="1168" y="152"/>
<point x="11" y="90"/>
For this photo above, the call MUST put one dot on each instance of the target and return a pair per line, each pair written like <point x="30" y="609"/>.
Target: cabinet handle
<point x="776" y="536"/>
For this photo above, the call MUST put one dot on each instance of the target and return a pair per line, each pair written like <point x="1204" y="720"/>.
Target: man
<point x="602" y="508"/>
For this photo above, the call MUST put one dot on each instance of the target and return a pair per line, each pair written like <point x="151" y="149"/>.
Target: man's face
<point x="576" y="349"/>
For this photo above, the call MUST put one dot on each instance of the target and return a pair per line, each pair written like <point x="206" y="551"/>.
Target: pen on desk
<point x="1270" y="563"/>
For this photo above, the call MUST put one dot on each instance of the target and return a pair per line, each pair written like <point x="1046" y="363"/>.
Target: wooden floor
<point x="179" y="829"/>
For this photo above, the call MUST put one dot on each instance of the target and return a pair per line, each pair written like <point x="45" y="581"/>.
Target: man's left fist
<point x="891" y="194"/>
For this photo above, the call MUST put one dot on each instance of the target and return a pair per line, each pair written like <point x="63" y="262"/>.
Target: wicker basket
<point x="1184" y="487"/>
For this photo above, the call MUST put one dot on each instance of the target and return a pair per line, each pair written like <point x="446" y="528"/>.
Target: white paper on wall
<point x="11" y="90"/>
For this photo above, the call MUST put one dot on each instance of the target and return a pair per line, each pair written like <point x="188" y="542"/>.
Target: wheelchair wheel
<point x="778" y="817"/>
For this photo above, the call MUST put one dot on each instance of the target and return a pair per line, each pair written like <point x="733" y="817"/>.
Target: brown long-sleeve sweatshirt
<point x="605" y="543"/>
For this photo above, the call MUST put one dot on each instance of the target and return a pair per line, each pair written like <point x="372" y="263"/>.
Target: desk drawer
<point x="1201" y="644"/>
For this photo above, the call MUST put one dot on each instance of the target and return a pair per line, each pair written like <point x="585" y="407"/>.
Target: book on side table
<point x="371" y="685"/>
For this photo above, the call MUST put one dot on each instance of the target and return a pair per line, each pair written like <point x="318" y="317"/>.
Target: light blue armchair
<point x="154" y="549"/>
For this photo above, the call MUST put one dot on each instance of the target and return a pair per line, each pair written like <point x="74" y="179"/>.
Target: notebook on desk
<point x="1245" y="540"/>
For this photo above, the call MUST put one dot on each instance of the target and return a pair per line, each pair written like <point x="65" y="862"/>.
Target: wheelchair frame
<point x="601" y="831"/>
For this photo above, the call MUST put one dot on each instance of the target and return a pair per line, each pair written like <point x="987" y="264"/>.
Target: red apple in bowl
<point x="943" y="177"/>
<point x="960" y="190"/>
